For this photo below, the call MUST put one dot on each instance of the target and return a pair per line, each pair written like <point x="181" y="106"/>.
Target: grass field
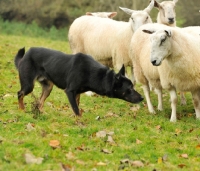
<point x="111" y="135"/>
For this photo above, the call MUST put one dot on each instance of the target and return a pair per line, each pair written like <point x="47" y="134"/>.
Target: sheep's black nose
<point x="154" y="62"/>
<point x="171" y="20"/>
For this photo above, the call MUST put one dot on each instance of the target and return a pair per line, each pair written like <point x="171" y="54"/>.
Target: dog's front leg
<point x="73" y="98"/>
<point x="21" y="100"/>
<point x="78" y="99"/>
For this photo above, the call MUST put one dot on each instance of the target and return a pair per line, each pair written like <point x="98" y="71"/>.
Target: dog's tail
<point x="19" y="56"/>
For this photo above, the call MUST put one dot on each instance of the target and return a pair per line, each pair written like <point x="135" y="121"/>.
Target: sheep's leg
<point x="183" y="99"/>
<point x="196" y="102"/>
<point x="151" y="88"/>
<point x="126" y="71"/>
<point x="160" y="99"/>
<point x="132" y="76"/>
<point x="147" y="96"/>
<point x="173" y="98"/>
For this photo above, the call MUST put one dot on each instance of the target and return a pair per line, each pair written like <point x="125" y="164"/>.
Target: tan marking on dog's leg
<point x="81" y="111"/>
<point x="78" y="99"/>
<point x="78" y="102"/>
<point x="21" y="103"/>
<point x="46" y="90"/>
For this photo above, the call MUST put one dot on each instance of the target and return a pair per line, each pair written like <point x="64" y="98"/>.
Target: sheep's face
<point x="167" y="14"/>
<point x="160" y="46"/>
<point x="139" y="18"/>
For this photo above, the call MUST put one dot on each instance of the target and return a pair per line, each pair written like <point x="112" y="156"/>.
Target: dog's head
<point x="123" y="88"/>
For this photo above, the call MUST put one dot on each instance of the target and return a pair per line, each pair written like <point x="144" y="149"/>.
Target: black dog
<point x="74" y="74"/>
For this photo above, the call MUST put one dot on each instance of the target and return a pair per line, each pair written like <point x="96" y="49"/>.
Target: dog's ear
<point x="122" y="70"/>
<point x="117" y="77"/>
<point x="120" y="73"/>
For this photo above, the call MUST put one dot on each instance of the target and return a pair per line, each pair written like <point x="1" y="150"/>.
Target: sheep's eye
<point x="132" y="19"/>
<point x="147" y="18"/>
<point x="162" y="41"/>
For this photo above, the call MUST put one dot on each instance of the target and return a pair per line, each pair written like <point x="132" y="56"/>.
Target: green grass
<point x="158" y="138"/>
<point x="32" y="30"/>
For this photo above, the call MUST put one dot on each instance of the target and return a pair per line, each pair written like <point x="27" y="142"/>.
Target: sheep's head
<point x="167" y="13"/>
<point x="139" y="17"/>
<point x="102" y="14"/>
<point x="160" y="45"/>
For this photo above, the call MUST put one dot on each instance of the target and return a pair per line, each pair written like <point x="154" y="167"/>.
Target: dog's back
<point x="53" y="58"/>
<point x="61" y="68"/>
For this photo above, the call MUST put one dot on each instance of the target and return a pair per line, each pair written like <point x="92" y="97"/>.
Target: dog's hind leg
<point x="20" y="95"/>
<point x="47" y="87"/>
<point x="73" y="99"/>
<point x="26" y="88"/>
<point x="27" y="76"/>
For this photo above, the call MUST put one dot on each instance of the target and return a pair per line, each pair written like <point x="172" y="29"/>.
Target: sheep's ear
<point x="156" y="4"/>
<point x="148" y="31"/>
<point x="175" y="1"/>
<point x="168" y="32"/>
<point x="126" y="10"/>
<point x="150" y="7"/>
<point x="112" y="14"/>
<point x="89" y="13"/>
<point x="122" y="70"/>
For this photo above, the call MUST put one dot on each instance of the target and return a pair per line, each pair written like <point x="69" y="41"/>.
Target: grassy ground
<point x="32" y="30"/>
<point x="109" y="132"/>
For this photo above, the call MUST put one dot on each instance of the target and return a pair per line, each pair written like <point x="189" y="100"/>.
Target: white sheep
<point x="176" y="55"/>
<point x="102" y="14"/>
<point x="194" y="30"/>
<point x="107" y="40"/>
<point x="166" y="14"/>
<point x="142" y="73"/>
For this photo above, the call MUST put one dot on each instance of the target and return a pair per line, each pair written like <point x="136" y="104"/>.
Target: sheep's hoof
<point x="152" y="111"/>
<point x="173" y="120"/>
<point x="198" y="118"/>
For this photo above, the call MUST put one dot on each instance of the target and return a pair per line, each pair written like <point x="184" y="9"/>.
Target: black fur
<point x="73" y="73"/>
